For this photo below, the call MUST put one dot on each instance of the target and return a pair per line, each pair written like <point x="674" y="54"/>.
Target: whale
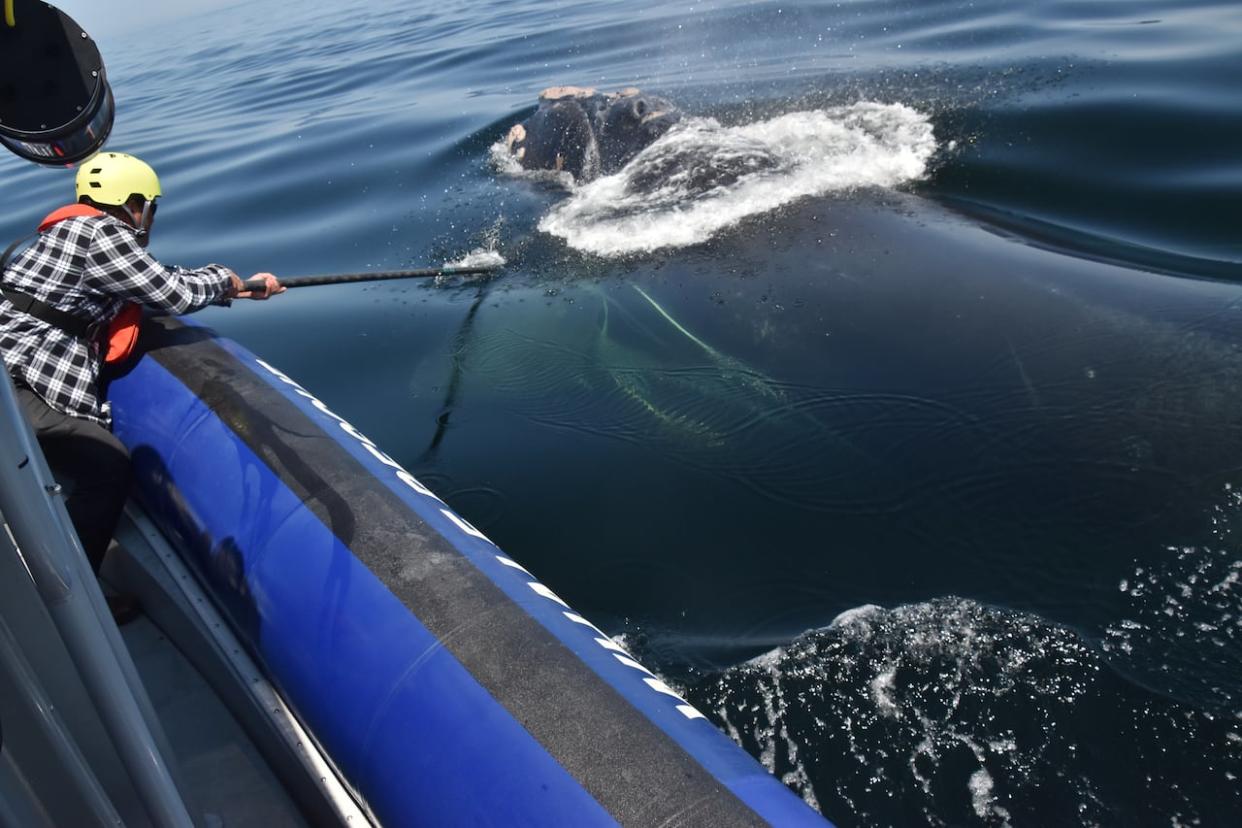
<point x="909" y="384"/>
<point x="587" y="133"/>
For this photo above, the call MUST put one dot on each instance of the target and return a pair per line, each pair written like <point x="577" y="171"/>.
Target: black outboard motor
<point x="56" y="107"/>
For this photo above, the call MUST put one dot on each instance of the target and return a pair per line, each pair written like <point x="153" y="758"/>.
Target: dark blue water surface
<point x="917" y="466"/>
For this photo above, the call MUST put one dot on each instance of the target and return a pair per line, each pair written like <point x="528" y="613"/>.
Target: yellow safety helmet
<point x="112" y="177"/>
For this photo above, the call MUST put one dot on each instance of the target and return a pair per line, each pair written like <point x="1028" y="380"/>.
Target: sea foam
<point x="702" y="177"/>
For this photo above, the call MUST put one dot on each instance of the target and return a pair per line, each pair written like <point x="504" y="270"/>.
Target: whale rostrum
<point x="587" y="133"/>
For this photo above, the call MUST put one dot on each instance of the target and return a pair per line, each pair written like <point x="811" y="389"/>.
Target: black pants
<point x="90" y="463"/>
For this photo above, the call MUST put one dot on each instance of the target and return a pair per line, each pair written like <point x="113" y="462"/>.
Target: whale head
<point x="587" y="133"/>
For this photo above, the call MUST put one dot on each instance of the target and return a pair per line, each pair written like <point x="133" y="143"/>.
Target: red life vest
<point x="67" y="212"/>
<point x="122" y="332"/>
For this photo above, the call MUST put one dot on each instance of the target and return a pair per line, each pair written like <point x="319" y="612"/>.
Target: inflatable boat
<point x="388" y="661"/>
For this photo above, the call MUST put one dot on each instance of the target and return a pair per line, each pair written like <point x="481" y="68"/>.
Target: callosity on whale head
<point x="588" y="133"/>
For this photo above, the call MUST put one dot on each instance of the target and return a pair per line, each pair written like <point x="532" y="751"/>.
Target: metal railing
<point x="32" y="508"/>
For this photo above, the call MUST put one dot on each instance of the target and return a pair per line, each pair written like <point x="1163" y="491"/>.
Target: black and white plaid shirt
<point x="88" y="266"/>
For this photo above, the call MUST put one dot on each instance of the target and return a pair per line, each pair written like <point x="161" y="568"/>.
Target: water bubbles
<point x="952" y="712"/>
<point x="1183" y="615"/>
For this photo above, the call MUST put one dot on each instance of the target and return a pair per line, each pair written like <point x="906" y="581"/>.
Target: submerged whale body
<point x="588" y="133"/>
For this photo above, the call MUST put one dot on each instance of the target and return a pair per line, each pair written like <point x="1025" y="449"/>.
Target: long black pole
<point x="375" y="276"/>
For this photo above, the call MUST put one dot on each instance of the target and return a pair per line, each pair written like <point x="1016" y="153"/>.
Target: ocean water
<point x="889" y="406"/>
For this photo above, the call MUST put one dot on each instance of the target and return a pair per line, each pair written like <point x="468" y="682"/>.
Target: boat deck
<point x="226" y="777"/>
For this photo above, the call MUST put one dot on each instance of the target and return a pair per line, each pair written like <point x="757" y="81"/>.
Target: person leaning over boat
<point x="89" y="267"/>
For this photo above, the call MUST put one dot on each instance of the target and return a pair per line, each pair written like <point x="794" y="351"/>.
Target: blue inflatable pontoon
<point x="445" y="683"/>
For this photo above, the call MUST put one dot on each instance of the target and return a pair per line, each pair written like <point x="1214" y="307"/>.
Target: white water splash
<point x="701" y="177"/>
<point x="903" y="698"/>
<point x="479" y="257"/>
<point x="856" y="614"/>
<point x="982" y="799"/>
<point x="882" y="692"/>
<point x="505" y="163"/>
<point x="951" y="712"/>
